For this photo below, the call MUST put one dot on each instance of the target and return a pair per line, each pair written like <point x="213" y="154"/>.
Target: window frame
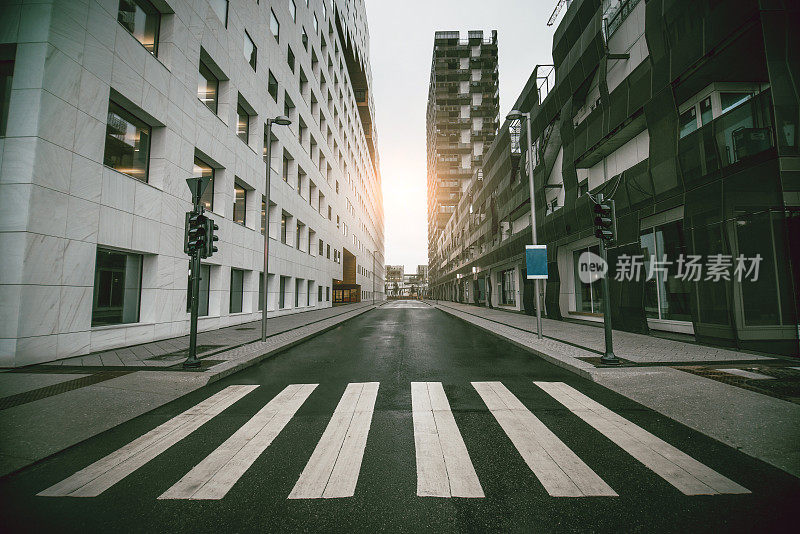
<point x="239" y="187"/>
<point x="216" y="80"/>
<point x="96" y="309"/>
<point x="144" y="5"/>
<point x="253" y="59"/>
<point x="131" y="119"/>
<point x="210" y="188"/>
<point x="274" y="26"/>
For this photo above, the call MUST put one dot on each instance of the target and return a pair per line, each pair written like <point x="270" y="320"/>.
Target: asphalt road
<point x="396" y="345"/>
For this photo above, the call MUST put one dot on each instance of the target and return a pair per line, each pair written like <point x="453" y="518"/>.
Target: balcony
<point x="736" y="136"/>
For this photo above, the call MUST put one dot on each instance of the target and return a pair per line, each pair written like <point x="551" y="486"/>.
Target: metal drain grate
<point x="55" y="389"/>
<point x="785" y="384"/>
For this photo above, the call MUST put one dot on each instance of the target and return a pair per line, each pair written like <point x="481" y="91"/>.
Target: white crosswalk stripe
<point x="556" y="466"/>
<point x="335" y="463"/>
<point x="216" y="475"/>
<point x="679" y="469"/>
<point x="443" y="465"/>
<point x="104" y="473"/>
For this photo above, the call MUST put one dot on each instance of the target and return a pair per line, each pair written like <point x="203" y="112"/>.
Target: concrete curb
<point x="223" y="370"/>
<point x="583" y="369"/>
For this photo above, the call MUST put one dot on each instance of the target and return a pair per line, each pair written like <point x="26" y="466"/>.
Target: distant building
<point x="463" y="105"/>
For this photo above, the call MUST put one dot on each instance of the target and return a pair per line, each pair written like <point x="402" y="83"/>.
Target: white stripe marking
<point x="332" y="471"/>
<point x="747" y="374"/>
<point x="444" y="468"/>
<point x="559" y="469"/>
<point x="214" y="477"/>
<point x="104" y="473"/>
<point x="679" y="469"/>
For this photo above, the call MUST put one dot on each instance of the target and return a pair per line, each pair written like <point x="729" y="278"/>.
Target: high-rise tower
<point x="463" y="105"/>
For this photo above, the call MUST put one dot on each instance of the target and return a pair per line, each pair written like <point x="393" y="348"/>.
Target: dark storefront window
<point x="117" y="288"/>
<point x="665" y="296"/>
<point x="509" y="293"/>
<point x="237" y="290"/>
<point x="203" y="294"/>
<point x="588" y="297"/>
<point x="127" y="147"/>
<point x="764" y="302"/>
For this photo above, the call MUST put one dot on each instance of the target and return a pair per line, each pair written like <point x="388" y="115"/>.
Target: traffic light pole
<point x="609" y="358"/>
<point x="192" y="360"/>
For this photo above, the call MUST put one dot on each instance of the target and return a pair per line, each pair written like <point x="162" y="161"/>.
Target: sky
<point x="401" y="48"/>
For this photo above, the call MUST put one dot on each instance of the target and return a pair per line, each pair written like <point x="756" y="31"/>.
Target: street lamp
<point x="518" y="115"/>
<point x="281" y="121"/>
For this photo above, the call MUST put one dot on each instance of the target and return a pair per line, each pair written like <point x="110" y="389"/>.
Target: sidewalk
<point x="748" y="401"/>
<point x="49" y="407"/>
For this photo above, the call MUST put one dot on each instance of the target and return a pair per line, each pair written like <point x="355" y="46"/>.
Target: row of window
<point x="142" y="20"/>
<point x="118" y="289"/>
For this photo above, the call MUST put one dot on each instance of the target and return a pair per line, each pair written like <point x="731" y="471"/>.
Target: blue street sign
<point x="536" y="261"/>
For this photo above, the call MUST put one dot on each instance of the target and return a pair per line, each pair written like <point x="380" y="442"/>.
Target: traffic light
<point x="210" y="249"/>
<point x="195" y="233"/>
<point x="605" y="225"/>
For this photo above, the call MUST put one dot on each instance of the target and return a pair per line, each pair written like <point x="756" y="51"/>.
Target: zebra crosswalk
<point x="444" y="467"/>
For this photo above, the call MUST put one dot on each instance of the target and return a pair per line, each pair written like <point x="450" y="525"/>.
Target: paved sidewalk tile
<point x="637" y="348"/>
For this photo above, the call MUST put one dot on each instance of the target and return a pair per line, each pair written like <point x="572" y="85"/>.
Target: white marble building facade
<point x="61" y="201"/>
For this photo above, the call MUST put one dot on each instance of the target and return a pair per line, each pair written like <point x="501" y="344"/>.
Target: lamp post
<point x="514" y="115"/>
<point x="281" y="121"/>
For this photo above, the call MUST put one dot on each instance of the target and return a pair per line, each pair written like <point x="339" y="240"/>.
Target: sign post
<point x="536" y="266"/>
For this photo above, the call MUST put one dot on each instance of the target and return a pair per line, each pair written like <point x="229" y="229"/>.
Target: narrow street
<point x="402" y="419"/>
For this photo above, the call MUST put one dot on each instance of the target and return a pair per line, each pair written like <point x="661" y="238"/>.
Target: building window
<point x="272" y="87"/>
<point x="665" y="295"/>
<point x="117" y="288"/>
<point x="239" y="204"/>
<point x="203" y="294"/>
<point x="319" y="293"/>
<point x="237" y="290"/>
<point x="316" y="24"/>
<point x="220" y="7"/>
<point x="242" y="123"/>
<point x="588" y="297"/>
<point x="263" y="215"/>
<point x="283" y="228"/>
<point x="304" y="39"/>
<point x="141" y="19"/>
<point x="250" y="50"/>
<point x="293" y="10"/>
<point x="207" y="87"/>
<point x="509" y="293"/>
<point x="297" y="284"/>
<point x="282" y="294"/>
<point x="321" y="248"/>
<point x="7" y="55"/>
<point x="328" y="293"/>
<point x="127" y="147"/>
<point x="290" y="59"/>
<point x="328" y="249"/>
<point x="274" y="25"/>
<point x="202" y="170"/>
